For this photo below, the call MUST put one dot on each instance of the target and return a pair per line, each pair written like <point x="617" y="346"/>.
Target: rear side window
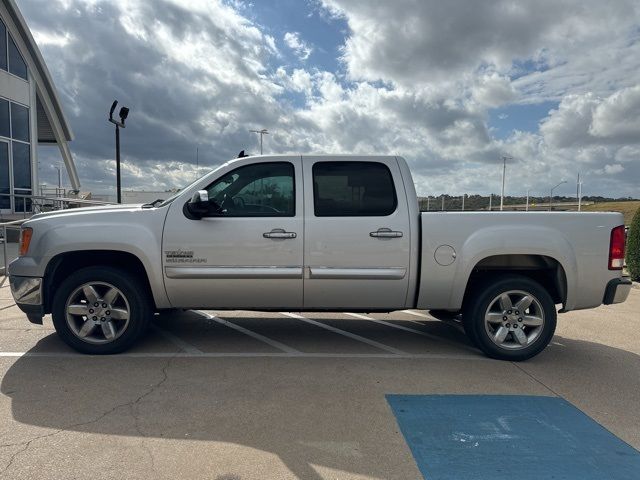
<point x="353" y="189"/>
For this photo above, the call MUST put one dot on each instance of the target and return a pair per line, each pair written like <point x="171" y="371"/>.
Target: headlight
<point x="25" y="240"/>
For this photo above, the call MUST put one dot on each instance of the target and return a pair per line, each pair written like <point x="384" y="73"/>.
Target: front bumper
<point x="617" y="290"/>
<point x="27" y="292"/>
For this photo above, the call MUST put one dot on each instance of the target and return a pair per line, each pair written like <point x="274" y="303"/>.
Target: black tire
<point x="482" y="297"/>
<point x="139" y="303"/>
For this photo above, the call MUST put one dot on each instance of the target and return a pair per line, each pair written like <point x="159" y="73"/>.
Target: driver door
<point x="248" y="251"/>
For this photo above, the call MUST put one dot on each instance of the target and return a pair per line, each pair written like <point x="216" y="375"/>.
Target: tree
<point x="633" y="247"/>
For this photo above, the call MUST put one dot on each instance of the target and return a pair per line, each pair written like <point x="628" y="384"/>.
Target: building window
<point x="16" y="62"/>
<point x="10" y="58"/>
<point x="15" y="156"/>
<point x="5" y="125"/>
<point x="21" y="166"/>
<point x="3" y="46"/>
<point x="19" y="122"/>
<point x="5" y="185"/>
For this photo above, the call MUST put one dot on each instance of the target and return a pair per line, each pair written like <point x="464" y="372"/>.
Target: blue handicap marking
<point x="509" y="436"/>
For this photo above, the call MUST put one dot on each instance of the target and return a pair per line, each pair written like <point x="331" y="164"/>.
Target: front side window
<point x="258" y="190"/>
<point x="353" y="189"/>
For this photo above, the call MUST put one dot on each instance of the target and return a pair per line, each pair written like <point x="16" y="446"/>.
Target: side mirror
<point x="198" y="206"/>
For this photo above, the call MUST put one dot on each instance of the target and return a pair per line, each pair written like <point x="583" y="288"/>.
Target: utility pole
<point x="490" y="201"/>
<point x="527" y="207"/>
<point x="463" y="195"/>
<point x="261" y="133"/>
<point x="428" y="199"/>
<point x="443" y="202"/>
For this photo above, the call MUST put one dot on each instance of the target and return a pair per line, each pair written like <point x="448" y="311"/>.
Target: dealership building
<point x="30" y="113"/>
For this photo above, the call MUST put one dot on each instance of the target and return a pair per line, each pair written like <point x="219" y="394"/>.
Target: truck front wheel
<point x="511" y="318"/>
<point x="100" y="310"/>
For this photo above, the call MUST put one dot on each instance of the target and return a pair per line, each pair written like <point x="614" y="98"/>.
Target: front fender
<point x="139" y="239"/>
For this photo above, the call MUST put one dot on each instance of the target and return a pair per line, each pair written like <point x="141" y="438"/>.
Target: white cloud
<point x="419" y="79"/>
<point x="617" y="118"/>
<point x="299" y="46"/>
<point x="493" y="90"/>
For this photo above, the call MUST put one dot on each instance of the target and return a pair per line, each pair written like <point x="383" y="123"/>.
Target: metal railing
<point x="6" y="226"/>
<point x="35" y="204"/>
<point x="32" y="204"/>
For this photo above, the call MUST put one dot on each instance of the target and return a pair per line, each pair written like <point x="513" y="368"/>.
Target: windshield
<point x="179" y="192"/>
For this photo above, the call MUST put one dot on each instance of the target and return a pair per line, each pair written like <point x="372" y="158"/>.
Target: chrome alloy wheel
<point x="514" y="319"/>
<point x="97" y="312"/>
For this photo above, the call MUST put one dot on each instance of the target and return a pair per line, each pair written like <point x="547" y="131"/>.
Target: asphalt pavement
<point x="245" y="395"/>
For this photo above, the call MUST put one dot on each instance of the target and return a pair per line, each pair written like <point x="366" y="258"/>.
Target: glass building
<point x="30" y="113"/>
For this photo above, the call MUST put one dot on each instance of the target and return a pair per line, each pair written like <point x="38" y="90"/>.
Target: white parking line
<point x="257" y="336"/>
<point x="417" y="332"/>
<point x="404" y="356"/>
<point x="353" y="336"/>
<point x="392" y="325"/>
<point x="417" y="314"/>
<point x="178" y="342"/>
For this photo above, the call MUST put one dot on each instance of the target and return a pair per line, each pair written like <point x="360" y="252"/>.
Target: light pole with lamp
<point x="261" y="133"/>
<point x="551" y="193"/>
<point x="123" y="114"/>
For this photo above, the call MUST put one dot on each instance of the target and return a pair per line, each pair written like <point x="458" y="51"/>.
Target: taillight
<point x="25" y="240"/>
<point x="616" y="248"/>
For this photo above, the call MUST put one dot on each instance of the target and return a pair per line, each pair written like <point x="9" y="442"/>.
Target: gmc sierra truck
<point x="315" y="233"/>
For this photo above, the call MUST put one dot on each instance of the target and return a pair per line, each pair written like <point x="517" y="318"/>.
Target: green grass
<point x="628" y="209"/>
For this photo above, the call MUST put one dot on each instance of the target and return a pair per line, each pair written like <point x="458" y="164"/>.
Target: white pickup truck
<point x="313" y="233"/>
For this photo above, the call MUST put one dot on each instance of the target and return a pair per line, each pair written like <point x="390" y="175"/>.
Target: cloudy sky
<point x="451" y="86"/>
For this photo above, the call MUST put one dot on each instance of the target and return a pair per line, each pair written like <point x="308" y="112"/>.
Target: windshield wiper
<point x="153" y="204"/>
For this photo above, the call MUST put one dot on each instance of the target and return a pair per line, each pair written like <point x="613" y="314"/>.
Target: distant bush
<point x="633" y="247"/>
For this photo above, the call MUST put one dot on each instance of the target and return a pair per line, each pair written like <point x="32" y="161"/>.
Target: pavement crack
<point x="131" y="404"/>
<point x="540" y="382"/>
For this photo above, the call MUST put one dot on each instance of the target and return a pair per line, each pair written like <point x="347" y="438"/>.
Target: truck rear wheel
<point x="100" y="310"/>
<point x="511" y="318"/>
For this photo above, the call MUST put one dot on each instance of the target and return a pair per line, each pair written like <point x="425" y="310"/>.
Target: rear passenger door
<point x="356" y="233"/>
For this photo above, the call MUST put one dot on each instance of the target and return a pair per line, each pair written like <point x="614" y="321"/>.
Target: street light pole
<point x="579" y="194"/>
<point x="261" y="133"/>
<point x="551" y="193"/>
<point x="504" y="171"/>
<point x="123" y="114"/>
<point x="59" y="177"/>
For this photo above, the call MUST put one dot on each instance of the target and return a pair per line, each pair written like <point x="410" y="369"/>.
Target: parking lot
<point x="246" y="395"/>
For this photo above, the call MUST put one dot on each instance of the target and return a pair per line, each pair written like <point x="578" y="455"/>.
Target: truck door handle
<point x="279" y="233"/>
<point x="385" y="233"/>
